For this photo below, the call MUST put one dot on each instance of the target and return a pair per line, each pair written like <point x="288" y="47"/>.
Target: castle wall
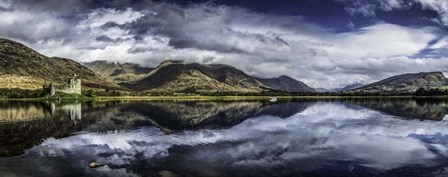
<point x="73" y="87"/>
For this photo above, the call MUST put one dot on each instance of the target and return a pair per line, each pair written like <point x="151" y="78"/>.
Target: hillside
<point x="175" y="76"/>
<point x="117" y="72"/>
<point x="285" y="83"/>
<point x="22" y="67"/>
<point x="407" y="83"/>
<point x="348" y="87"/>
<point x="172" y="76"/>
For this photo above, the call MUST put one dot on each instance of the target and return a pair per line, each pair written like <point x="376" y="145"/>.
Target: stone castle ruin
<point x="73" y="86"/>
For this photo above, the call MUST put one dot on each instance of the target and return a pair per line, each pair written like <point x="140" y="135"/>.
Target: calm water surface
<point x="358" y="137"/>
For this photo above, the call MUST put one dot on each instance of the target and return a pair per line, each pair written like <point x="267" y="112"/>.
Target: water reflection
<point x="423" y="109"/>
<point x="359" y="137"/>
<point x="20" y="111"/>
<point x="25" y="124"/>
<point x="174" y="116"/>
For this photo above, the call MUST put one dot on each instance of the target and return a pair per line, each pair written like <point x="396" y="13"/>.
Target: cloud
<point x="264" y="45"/>
<point x="380" y="40"/>
<point x="440" y="6"/>
<point x="100" y="17"/>
<point x="33" y="27"/>
<point x="369" y="8"/>
<point x="351" y="25"/>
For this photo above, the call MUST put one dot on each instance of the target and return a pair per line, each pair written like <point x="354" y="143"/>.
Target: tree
<point x="421" y="92"/>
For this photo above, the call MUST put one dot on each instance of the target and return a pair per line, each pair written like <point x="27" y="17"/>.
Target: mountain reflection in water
<point x="25" y="124"/>
<point x="348" y="137"/>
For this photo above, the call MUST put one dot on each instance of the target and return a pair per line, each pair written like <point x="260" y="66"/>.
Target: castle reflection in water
<point x="27" y="111"/>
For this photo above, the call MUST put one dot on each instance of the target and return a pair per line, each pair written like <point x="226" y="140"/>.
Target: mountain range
<point x="24" y="68"/>
<point x="175" y="76"/>
<point x="348" y="87"/>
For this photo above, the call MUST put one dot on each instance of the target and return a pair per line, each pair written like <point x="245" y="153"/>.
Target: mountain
<point x="348" y="87"/>
<point x="321" y="90"/>
<point x="175" y="76"/>
<point x="118" y="72"/>
<point x="285" y="83"/>
<point x="408" y="83"/>
<point x="22" y="67"/>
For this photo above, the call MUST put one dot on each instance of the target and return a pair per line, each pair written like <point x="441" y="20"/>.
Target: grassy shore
<point x="222" y="98"/>
<point x="242" y="98"/>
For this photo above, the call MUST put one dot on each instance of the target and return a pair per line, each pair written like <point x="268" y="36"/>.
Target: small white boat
<point x="273" y="99"/>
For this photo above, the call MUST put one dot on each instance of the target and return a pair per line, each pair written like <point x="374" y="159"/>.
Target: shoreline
<point x="218" y="98"/>
<point x="253" y="98"/>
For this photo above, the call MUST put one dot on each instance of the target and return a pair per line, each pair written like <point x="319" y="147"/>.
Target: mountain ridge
<point x="24" y="68"/>
<point x="176" y="76"/>
<point x="408" y="82"/>
<point x="286" y="83"/>
<point x="117" y="72"/>
<point x="348" y="87"/>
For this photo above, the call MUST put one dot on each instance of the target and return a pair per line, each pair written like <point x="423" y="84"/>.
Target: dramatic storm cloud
<point x="267" y="39"/>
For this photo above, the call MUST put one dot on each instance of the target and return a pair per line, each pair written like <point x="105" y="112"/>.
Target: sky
<point x="324" y="43"/>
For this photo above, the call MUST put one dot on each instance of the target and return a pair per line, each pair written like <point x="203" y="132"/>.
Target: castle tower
<point x="75" y="84"/>
<point x="49" y="89"/>
<point x="52" y="89"/>
<point x="78" y="84"/>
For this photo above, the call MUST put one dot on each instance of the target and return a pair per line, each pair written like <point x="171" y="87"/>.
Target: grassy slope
<point x="21" y="67"/>
<point x="408" y="83"/>
<point x="188" y="78"/>
<point x="117" y="72"/>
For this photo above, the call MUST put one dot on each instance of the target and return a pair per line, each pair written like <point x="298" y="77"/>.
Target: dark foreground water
<point x="358" y="137"/>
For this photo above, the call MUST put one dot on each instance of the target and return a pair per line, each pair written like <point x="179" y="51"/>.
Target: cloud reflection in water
<point x="323" y="133"/>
